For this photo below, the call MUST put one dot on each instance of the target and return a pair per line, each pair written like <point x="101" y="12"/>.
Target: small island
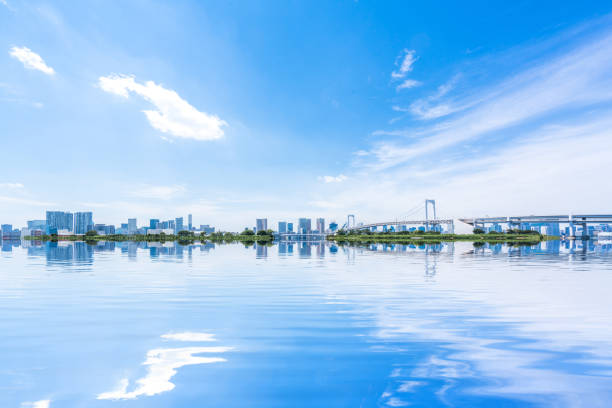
<point x="418" y="236"/>
<point x="187" y="237"/>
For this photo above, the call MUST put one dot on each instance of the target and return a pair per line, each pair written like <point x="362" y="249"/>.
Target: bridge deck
<point x="405" y="222"/>
<point x="543" y="219"/>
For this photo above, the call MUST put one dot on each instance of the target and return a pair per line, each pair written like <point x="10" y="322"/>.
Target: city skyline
<point x="367" y="110"/>
<point x="79" y="223"/>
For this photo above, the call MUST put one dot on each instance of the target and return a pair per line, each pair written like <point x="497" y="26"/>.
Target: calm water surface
<point x="305" y="325"/>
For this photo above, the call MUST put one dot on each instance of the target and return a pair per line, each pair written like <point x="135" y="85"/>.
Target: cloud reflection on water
<point x="163" y="364"/>
<point x="533" y="328"/>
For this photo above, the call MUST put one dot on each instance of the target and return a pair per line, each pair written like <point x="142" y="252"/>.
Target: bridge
<point x="550" y="221"/>
<point x="429" y="223"/>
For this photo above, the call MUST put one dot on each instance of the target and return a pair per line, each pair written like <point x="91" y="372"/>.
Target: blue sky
<point x="237" y="110"/>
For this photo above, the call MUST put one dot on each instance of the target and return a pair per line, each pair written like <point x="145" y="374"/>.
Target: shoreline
<point x="364" y="238"/>
<point x="425" y="238"/>
<point x="187" y="238"/>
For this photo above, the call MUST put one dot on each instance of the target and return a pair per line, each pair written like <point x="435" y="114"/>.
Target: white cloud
<point x="25" y="201"/>
<point x="333" y="179"/>
<point x="512" y="147"/>
<point x="407" y="84"/>
<point x="326" y="204"/>
<point x="189" y="336"/>
<point x="37" y="404"/>
<point x="158" y="192"/>
<point x="11" y="185"/>
<point x="31" y="60"/>
<point x="172" y="115"/>
<point x="576" y="79"/>
<point x="407" y="59"/>
<point x="162" y="365"/>
<point x="529" y="176"/>
<point x="430" y="108"/>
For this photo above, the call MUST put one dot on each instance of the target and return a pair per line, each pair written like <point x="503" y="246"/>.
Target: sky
<point x="236" y="110"/>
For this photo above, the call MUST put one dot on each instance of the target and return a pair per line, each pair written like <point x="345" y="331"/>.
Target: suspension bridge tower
<point x="433" y="205"/>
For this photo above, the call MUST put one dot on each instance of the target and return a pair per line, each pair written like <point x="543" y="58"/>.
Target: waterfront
<point x="305" y="324"/>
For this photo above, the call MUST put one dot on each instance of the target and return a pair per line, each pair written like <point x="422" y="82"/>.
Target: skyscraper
<point x="178" y="226"/>
<point x="7" y="230"/>
<point x="304" y="226"/>
<point x="190" y="222"/>
<point x="282" y="227"/>
<point x="289" y="227"/>
<point x="261" y="224"/>
<point x="83" y="222"/>
<point x="60" y="220"/>
<point x="37" y="224"/>
<point x="153" y="223"/>
<point x="132" y="228"/>
<point x="321" y="225"/>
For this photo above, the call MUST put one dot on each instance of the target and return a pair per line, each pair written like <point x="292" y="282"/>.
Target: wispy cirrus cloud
<point x="572" y="81"/>
<point x="12" y="185"/>
<point x="407" y="84"/>
<point x="25" y="201"/>
<point x="404" y="62"/>
<point x="158" y="192"/>
<point x="31" y="60"/>
<point x="333" y="179"/>
<point x="36" y="404"/>
<point x="510" y="145"/>
<point x="172" y="115"/>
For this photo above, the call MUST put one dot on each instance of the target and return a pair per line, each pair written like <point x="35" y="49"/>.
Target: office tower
<point x="60" y="220"/>
<point x="282" y="227"/>
<point x="261" y="224"/>
<point x="37" y="224"/>
<point x="178" y="226"/>
<point x="190" y="221"/>
<point x="207" y="229"/>
<point x="153" y="223"/>
<point x="83" y="222"/>
<point x="304" y="226"/>
<point x="321" y="225"/>
<point x="132" y="228"/>
<point x="7" y="230"/>
<point x="289" y="227"/>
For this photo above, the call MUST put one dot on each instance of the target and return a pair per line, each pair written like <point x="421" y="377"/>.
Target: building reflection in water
<point x="261" y="250"/>
<point x="9" y="244"/>
<point x="304" y="249"/>
<point x="82" y="253"/>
